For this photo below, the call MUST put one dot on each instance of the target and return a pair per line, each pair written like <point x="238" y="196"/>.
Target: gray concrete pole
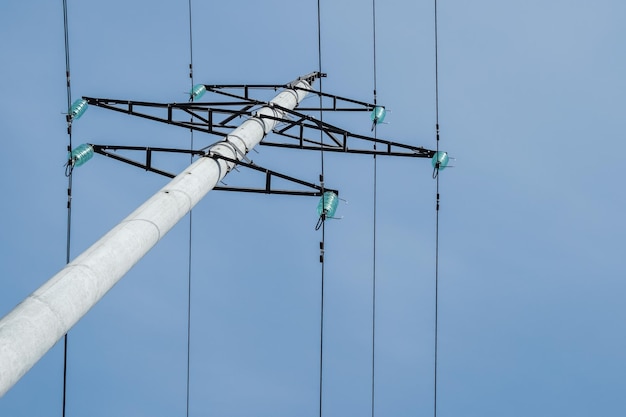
<point x="38" y="322"/>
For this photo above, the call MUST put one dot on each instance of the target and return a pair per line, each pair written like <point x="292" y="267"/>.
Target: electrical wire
<point x="373" y="396"/>
<point x="189" y="260"/>
<point x="69" y="184"/>
<point x="436" y="347"/>
<point x="189" y="314"/>
<point x="322" y="243"/>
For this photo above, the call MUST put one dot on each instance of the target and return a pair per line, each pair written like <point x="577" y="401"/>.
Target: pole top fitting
<point x="309" y="78"/>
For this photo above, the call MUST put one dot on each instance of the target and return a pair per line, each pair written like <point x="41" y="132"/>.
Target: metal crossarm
<point x="338" y="137"/>
<point x="337" y="103"/>
<point x="111" y="152"/>
<point x="215" y="118"/>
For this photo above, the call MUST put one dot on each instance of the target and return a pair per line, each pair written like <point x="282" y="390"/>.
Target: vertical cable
<point x="190" y="219"/>
<point x="322" y="243"/>
<point x="374" y="222"/>
<point x="67" y="55"/>
<point x="436" y="294"/>
<point x="436" y="74"/>
<point x="189" y="311"/>
<point x="436" y="347"/>
<point x="69" y="183"/>
<point x="374" y="45"/>
<point x="319" y="65"/>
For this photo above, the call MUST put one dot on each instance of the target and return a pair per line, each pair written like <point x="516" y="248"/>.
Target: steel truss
<point x="216" y="117"/>
<point x="110" y="151"/>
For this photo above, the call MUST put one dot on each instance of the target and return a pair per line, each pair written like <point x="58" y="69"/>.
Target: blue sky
<point x="532" y="101"/>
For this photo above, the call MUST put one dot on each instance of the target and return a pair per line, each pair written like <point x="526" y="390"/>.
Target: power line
<point x="69" y="183"/>
<point x="323" y="223"/>
<point x="436" y="347"/>
<point x="373" y="396"/>
<point x="189" y="260"/>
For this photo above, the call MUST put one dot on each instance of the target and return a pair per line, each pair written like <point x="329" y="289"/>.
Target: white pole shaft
<point x="44" y="317"/>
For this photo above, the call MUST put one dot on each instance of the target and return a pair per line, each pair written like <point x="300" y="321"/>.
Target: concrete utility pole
<point x="44" y="317"/>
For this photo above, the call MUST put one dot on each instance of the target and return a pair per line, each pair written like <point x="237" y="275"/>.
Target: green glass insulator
<point x="197" y="91"/>
<point x="440" y="160"/>
<point x="81" y="154"/>
<point x="328" y="204"/>
<point x="78" y="108"/>
<point x="378" y="114"/>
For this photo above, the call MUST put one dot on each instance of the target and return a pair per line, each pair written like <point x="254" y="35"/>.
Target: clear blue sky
<point x="532" y="313"/>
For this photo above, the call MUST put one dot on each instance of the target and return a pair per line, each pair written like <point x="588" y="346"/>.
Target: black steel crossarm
<point x="305" y="121"/>
<point x="98" y="148"/>
<point x="216" y="121"/>
<point x="337" y="103"/>
<point x="218" y="88"/>
<point x="374" y="152"/>
<point x="339" y="138"/>
<point x="189" y="105"/>
<point x="269" y="174"/>
<point x="213" y="118"/>
<point x="222" y="90"/>
<point x="335" y="100"/>
<point x="110" y="151"/>
<point x="243" y="112"/>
